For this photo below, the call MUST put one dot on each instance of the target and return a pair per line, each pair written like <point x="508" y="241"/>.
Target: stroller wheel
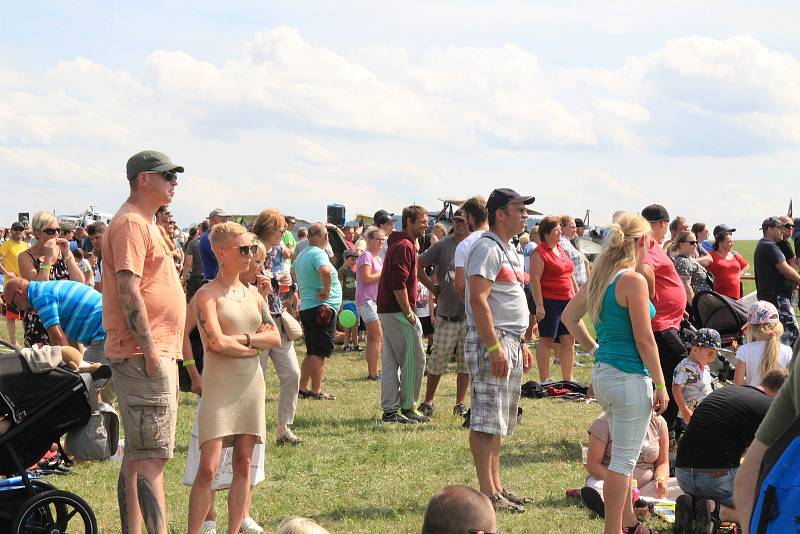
<point x="55" y="512"/>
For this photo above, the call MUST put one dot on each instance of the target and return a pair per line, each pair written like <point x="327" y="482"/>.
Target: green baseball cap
<point x="150" y="161"/>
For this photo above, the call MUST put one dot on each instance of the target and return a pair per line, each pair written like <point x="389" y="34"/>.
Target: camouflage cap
<point x="707" y="337"/>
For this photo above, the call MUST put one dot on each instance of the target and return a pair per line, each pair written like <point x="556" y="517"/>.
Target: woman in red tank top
<point x="552" y="286"/>
<point x="727" y="266"/>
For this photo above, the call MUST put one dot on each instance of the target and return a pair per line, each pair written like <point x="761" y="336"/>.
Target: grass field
<point x="354" y="474"/>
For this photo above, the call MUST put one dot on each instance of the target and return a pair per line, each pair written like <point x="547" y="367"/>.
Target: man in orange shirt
<point x="143" y="314"/>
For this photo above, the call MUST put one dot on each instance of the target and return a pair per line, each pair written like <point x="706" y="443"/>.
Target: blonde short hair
<point x="301" y="525"/>
<point x="41" y="220"/>
<point x="262" y="249"/>
<point x="224" y="233"/>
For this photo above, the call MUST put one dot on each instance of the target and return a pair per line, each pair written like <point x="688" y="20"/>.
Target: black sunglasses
<point x="788" y="225"/>
<point x="51" y="231"/>
<point x="247" y="250"/>
<point x="169" y="175"/>
<point x="476" y="531"/>
<point x="691" y="242"/>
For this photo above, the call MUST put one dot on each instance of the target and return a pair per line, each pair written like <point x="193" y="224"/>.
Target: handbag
<point x="291" y="327"/>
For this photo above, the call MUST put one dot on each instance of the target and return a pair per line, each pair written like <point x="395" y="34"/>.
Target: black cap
<point x="718" y="229"/>
<point x="771" y="222"/>
<point x="579" y="223"/>
<point x="655" y="213"/>
<point x="500" y="198"/>
<point x="18" y="226"/>
<point x="381" y="217"/>
<point x="290" y="219"/>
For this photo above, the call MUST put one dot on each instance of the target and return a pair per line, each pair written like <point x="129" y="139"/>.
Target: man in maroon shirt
<point x="669" y="299"/>
<point x="402" y="331"/>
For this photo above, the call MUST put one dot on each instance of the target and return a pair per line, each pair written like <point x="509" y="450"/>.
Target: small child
<point x="691" y="381"/>
<point x="763" y="351"/>
<point x="347" y="279"/>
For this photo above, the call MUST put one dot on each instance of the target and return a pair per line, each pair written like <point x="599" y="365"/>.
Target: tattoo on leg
<point x="152" y="514"/>
<point x="123" y="505"/>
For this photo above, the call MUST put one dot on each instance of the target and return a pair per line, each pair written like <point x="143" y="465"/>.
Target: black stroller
<point x="41" y="408"/>
<point x="725" y="315"/>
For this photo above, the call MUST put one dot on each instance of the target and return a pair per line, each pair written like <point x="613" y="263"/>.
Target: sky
<point x="599" y="106"/>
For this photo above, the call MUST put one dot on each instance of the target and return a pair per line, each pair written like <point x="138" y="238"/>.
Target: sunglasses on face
<point x="247" y="250"/>
<point x="787" y="225"/>
<point x="168" y="176"/>
<point x="51" y="231"/>
<point x="691" y="242"/>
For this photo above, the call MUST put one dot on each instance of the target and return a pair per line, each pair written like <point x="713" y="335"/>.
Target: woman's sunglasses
<point x="247" y="250"/>
<point x="691" y="242"/>
<point x="51" y="231"/>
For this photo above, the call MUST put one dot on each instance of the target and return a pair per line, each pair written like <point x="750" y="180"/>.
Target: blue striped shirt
<point x="76" y="307"/>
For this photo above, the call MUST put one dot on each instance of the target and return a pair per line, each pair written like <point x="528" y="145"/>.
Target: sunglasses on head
<point x="51" y="231"/>
<point x="247" y="250"/>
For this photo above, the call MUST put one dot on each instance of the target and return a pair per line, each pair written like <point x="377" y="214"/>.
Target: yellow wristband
<point x="494" y="347"/>
<point x="661" y="386"/>
<point x="187" y="363"/>
<point x="45" y="267"/>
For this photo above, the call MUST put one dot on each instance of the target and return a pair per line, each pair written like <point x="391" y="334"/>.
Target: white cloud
<point x="314" y="153"/>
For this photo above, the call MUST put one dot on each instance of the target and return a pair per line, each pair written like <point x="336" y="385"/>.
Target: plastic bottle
<point x="634" y="490"/>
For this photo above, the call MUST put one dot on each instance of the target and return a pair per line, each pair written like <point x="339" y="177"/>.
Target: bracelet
<point x="594" y="349"/>
<point x="45" y="267"/>
<point x="661" y="386"/>
<point x="410" y="314"/>
<point x="187" y="363"/>
<point x="494" y="347"/>
<point x="660" y="479"/>
<point x="247" y="337"/>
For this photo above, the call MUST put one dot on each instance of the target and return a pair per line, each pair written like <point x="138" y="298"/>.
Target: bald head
<point x="317" y="234"/>
<point x="457" y="510"/>
<point x="16" y="292"/>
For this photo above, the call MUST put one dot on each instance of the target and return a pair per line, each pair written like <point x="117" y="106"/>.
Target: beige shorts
<point x="448" y="339"/>
<point x="148" y="407"/>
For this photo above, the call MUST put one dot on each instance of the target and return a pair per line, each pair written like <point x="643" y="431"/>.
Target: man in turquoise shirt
<point x="320" y="297"/>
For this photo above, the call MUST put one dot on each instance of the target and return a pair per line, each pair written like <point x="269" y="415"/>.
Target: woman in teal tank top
<point x="626" y="357"/>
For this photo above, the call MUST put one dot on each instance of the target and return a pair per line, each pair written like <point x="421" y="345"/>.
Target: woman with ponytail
<point x="763" y="351"/>
<point x="626" y="358"/>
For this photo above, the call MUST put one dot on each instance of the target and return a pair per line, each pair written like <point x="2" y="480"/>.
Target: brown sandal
<point x="501" y="504"/>
<point x="514" y="499"/>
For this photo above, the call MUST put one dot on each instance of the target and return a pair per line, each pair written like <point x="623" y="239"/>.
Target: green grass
<point x="355" y="475"/>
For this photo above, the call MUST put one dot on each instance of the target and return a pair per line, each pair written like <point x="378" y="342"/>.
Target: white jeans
<point x="284" y="359"/>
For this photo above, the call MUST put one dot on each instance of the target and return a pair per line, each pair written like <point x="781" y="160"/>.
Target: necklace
<point x="236" y="294"/>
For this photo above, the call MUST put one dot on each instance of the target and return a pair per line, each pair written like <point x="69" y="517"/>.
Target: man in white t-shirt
<point x="474" y="210"/>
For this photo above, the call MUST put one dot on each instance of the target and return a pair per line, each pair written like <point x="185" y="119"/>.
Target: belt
<point x="712" y="472"/>
<point x="451" y="319"/>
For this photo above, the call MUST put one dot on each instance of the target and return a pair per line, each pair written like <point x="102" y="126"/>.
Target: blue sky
<point x="587" y="105"/>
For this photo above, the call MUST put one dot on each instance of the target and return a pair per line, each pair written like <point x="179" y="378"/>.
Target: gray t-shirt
<point x="507" y="301"/>
<point x="441" y="255"/>
<point x="193" y="249"/>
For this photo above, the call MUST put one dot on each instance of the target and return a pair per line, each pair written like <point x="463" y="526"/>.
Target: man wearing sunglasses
<point x="143" y="314"/>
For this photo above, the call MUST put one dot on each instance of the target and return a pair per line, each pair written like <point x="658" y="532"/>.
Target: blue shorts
<point x="551" y="325"/>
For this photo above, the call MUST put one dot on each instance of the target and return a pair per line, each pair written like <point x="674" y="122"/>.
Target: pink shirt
<point x="365" y="292"/>
<point x="670" y="299"/>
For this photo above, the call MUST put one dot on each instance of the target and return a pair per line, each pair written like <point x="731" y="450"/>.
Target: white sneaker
<point x="249" y="526"/>
<point x="209" y="527"/>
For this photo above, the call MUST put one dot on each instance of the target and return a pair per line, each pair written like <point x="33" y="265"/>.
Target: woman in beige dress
<point x="231" y="411"/>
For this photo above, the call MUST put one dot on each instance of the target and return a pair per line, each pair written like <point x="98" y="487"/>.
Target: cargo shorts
<point x="148" y="406"/>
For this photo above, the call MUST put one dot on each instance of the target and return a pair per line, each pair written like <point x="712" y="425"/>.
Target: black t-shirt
<point x="768" y="279"/>
<point x="722" y="427"/>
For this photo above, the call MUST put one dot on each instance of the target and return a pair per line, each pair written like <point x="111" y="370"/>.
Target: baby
<point x="691" y="381"/>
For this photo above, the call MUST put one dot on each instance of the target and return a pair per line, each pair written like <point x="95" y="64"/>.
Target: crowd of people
<point x="208" y="309"/>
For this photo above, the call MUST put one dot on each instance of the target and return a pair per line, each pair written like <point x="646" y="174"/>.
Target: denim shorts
<point x="714" y="484"/>
<point x="627" y="399"/>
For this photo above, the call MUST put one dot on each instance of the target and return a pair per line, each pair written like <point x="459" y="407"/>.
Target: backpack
<point x="777" y="506"/>
<point x="98" y="439"/>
